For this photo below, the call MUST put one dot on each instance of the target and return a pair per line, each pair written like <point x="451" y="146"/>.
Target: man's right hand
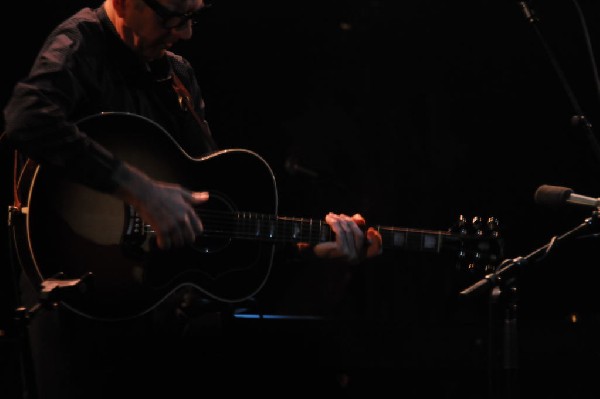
<point x="167" y="207"/>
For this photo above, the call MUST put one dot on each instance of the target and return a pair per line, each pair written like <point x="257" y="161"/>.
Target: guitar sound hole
<point x="219" y="222"/>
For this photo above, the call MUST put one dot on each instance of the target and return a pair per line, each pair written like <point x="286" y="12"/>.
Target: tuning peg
<point x="461" y="226"/>
<point x="492" y="225"/>
<point x="477" y="224"/>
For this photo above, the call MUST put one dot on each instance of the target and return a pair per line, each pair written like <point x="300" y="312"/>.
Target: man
<point x="117" y="58"/>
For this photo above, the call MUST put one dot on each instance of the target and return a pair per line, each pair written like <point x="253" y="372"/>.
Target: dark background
<point x="411" y="113"/>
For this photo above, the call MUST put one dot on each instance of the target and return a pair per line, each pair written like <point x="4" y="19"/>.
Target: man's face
<point x="155" y="25"/>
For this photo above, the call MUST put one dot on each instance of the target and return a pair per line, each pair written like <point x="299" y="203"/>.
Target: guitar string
<point x="253" y="225"/>
<point x="246" y="217"/>
<point x="237" y="219"/>
<point x="256" y="223"/>
<point x="248" y="225"/>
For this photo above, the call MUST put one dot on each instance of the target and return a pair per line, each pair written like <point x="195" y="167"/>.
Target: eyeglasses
<point x="172" y="19"/>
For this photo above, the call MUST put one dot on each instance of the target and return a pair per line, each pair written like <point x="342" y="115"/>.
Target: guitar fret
<point x="323" y="232"/>
<point x="272" y="229"/>
<point x="257" y="229"/>
<point x="238" y="223"/>
<point x="297" y="230"/>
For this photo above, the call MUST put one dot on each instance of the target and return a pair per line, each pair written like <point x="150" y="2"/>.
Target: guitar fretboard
<point x="255" y="226"/>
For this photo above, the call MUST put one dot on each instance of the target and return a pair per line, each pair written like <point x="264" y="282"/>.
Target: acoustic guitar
<point x="70" y="230"/>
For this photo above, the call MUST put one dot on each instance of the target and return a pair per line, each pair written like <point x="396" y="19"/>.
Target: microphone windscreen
<point x="552" y="196"/>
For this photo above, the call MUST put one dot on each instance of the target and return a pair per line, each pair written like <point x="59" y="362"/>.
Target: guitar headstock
<point x="478" y="243"/>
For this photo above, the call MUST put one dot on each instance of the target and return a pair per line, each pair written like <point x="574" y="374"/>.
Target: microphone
<point x="557" y="196"/>
<point x="527" y="11"/>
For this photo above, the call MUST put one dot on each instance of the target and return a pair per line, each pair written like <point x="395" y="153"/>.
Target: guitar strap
<point x="185" y="102"/>
<point x="16" y="200"/>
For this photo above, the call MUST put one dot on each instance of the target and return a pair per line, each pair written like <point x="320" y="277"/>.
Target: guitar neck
<point x="409" y="239"/>
<point x="254" y="226"/>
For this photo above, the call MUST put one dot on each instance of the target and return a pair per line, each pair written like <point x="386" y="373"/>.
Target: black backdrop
<point x="411" y="114"/>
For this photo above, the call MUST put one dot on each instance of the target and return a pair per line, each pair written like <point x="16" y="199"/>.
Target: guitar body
<point x="70" y="229"/>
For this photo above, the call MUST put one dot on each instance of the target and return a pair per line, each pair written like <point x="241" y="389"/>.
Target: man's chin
<point x="154" y="55"/>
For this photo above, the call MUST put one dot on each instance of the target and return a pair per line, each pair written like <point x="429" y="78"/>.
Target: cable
<point x="589" y="47"/>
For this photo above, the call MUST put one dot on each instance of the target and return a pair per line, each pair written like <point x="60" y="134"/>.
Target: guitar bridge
<point x="134" y="234"/>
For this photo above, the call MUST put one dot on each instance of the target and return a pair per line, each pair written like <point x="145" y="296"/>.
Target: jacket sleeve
<point x="38" y="124"/>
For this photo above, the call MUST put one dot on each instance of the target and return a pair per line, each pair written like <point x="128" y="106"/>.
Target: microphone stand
<point x="502" y="287"/>
<point x="51" y="293"/>
<point x="579" y="119"/>
<point x="50" y="298"/>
